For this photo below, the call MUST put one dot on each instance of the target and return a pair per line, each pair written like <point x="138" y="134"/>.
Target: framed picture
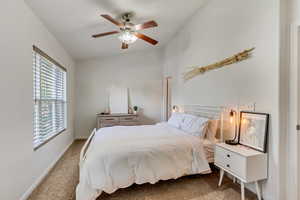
<point x="253" y="130"/>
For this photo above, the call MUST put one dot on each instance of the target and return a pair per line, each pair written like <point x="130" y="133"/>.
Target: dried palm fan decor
<point x="228" y="61"/>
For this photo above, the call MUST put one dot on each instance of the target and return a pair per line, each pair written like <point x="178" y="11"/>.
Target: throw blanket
<point x="121" y="156"/>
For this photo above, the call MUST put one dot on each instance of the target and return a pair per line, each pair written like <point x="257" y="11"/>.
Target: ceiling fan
<point x="128" y="31"/>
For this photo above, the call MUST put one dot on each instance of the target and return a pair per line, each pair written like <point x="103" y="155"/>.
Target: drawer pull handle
<point x="228" y="166"/>
<point x="109" y="119"/>
<point x="228" y="155"/>
<point x="128" y="118"/>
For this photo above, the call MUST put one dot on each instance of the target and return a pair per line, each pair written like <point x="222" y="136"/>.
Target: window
<point x="49" y="98"/>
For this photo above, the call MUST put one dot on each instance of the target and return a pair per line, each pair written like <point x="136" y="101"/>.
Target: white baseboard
<point x="44" y="174"/>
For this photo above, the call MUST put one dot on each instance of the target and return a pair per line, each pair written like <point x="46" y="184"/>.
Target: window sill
<point x="48" y="140"/>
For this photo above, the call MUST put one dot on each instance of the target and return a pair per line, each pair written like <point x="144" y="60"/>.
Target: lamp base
<point x="231" y="142"/>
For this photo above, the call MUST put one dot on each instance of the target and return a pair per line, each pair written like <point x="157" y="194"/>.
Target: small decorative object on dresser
<point x="130" y="110"/>
<point x="135" y="109"/>
<point x="117" y="120"/>
<point x="254" y="130"/>
<point x="243" y="163"/>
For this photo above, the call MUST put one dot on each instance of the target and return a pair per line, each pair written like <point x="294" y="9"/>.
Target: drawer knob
<point x="228" y="155"/>
<point x="228" y="165"/>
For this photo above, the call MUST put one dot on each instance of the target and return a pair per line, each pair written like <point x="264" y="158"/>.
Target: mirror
<point x="118" y="100"/>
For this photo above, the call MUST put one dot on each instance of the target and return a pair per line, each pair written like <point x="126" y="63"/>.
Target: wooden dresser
<point x="117" y="120"/>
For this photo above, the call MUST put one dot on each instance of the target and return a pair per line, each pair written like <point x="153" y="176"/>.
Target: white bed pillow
<point x="176" y="120"/>
<point x="194" y="125"/>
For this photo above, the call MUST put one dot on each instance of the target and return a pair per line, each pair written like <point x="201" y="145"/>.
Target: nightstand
<point x="243" y="163"/>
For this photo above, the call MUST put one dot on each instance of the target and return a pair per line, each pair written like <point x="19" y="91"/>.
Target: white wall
<point x="221" y="29"/>
<point x="284" y="100"/>
<point x="293" y="138"/>
<point x="141" y="72"/>
<point x="20" y="166"/>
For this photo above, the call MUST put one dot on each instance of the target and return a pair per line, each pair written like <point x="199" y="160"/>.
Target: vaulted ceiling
<point x="74" y="21"/>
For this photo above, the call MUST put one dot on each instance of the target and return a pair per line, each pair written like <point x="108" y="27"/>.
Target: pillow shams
<point x="176" y="120"/>
<point x="193" y="125"/>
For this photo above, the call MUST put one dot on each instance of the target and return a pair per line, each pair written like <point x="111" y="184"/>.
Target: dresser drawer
<point x="103" y="125"/>
<point x="129" y="123"/>
<point x="109" y="119"/>
<point x="231" y="161"/>
<point x="128" y="119"/>
<point x="117" y="120"/>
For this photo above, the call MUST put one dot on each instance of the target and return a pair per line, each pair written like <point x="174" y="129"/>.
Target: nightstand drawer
<point x="231" y="161"/>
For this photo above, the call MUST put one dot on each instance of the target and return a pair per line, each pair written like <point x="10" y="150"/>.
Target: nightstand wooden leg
<point x="242" y="190"/>
<point x="221" y="177"/>
<point x="258" y="190"/>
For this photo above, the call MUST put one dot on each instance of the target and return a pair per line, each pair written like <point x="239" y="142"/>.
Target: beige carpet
<point x="61" y="182"/>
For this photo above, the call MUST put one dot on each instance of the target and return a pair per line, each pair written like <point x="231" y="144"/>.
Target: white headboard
<point x="210" y="112"/>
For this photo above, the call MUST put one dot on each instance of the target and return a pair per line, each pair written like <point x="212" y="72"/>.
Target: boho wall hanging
<point x="228" y="61"/>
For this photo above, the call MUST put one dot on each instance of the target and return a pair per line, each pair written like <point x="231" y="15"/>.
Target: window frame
<point x="50" y="59"/>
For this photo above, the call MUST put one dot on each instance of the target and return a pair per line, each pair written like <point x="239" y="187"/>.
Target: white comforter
<point x="121" y="156"/>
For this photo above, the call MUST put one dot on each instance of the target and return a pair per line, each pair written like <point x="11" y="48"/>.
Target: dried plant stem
<point x="228" y="61"/>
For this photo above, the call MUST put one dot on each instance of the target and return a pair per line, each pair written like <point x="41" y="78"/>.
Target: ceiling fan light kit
<point x="128" y="32"/>
<point x="127" y="37"/>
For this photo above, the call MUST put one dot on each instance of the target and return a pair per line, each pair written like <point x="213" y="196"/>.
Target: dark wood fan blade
<point x="124" y="46"/>
<point x="146" y="25"/>
<point x="112" y="20"/>
<point x="145" y="38"/>
<point x="105" y="34"/>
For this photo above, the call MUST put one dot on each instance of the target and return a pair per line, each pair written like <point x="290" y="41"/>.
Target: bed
<point x="209" y="149"/>
<point x="117" y="157"/>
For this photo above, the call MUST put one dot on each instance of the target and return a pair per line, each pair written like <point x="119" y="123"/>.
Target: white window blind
<point x="49" y="97"/>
